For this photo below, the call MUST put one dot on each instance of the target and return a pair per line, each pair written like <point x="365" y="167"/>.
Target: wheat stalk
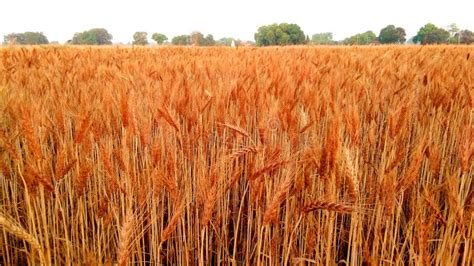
<point x="22" y="234"/>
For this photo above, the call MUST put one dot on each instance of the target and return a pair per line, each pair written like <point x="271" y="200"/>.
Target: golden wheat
<point x="282" y="155"/>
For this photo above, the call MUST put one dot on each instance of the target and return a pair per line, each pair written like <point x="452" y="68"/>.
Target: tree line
<point x="267" y="35"/>
<point x="428" y="34"/>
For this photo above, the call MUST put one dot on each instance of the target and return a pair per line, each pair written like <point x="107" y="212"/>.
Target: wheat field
<point x="248" y="156"/>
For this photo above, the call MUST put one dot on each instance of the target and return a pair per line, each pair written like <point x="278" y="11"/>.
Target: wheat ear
<point x="21" y="233"/>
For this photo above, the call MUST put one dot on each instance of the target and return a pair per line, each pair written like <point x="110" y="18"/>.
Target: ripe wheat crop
<point x="271" y="156"/>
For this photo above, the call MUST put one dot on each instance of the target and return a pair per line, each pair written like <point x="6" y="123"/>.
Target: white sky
<point x="60" y="19"/>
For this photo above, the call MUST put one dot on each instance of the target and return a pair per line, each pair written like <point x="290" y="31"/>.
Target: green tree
<point x="324" y="38"/>
<point x="430" y="34"/>
<point x="35" y="38"/>
<point x="102" y="35"/>
<point x="140" y="38"/>
<point x="159" y="38"/>
<point x="181" y="40"/>
<point x="84" y="38"/>
<point x="466" y="37"/>
<point x="294" y="32"/>
<point x="14" y="38"/>
<point x="265" y="35"/>
<point x="392" y="34"/>
<point x="209" y="40"/>
<point x="279" y="34"/>
<point x="361" y="38"/>
<point x="453" y="30"/>
<point x="96" y="36"/>
<point x="26" y="38"/>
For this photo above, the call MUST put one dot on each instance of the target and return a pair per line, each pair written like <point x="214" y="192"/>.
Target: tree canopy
<point x="466" y="37"/>
<point x="159" y="38"/>
<point x="27" y="38"/>
<point x="279" y="34"/>
<point x="181" y="40"/>
<point x="361" y="38"/>
<point x="209" y="40"/>
<point x="430" y="34"/>
<point x="196" y="38"/>
<point x="97" y="36"/>
<point x="140" y="38"/>
<point x="324" y="38"/>
<point x="453" y="30"/>
<point x="392" y="34"/>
